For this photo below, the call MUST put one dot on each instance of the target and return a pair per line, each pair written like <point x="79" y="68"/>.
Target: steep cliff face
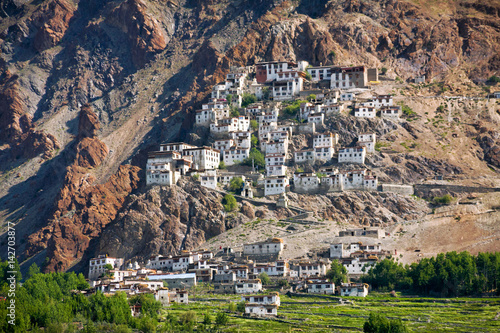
<point x="82" y="208"/>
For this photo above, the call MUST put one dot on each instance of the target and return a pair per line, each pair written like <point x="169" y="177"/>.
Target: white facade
<point x="209" y="179"/>
<point x="248" y="286"/>
<point x="273" y="298"/>
<point x="392" y="112"/>
<point x="347" y="96"/>
<point x="334" y="108"/>
<point x="279" y="146"/>
<point x="223" y="145"/>
<point x="352" y="155"/>
<point x="275" y="185"/>
<point x="325" y="140"/>
<point x="323" y="153"/>
<point x="302" y="156"/>
<point x="271" y="246"/>
<point x="368" y="141"/>
<point x="312" y="269"/>
<point x="97" y="265"/>
<point x="235" y="155"/>
<point x="357" y="266"/>
<point x="276" y="170"/>
<point x="317" y="118"/>
<point x="383" y="100"/>
<point x="305" y="181"/>
<point x="352" y="180"/>
<point x="204" y="158"/>
<point x="320" y="73"/>
<point x="354" y="289"/>
<point x="275" y="159"/>
<point x="279" y="268"/>
<point x="321" y="287"/>
<point x="286" y="90"/>
<point x="261" y="310"/>
<point x="365" y="112"/>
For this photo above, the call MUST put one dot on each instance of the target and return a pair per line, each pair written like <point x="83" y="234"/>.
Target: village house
<point x="317" y="118"/>
<point x="275" y="185"/>
<point x="367" y="140"/>
<point x="265" y="128"/>
<point x="365" y="111"/>
<point x="311" y="269"/>
<point x="320" y="286"/>
<point x="363" y="232"/>
<point x="286" y="90"/>
<point x="346" y="250"/>
<point x="166" y="296"/>
<point x="268" y="71"/>
<point x="278" y="268"/>
<point x="382" y="101"/>
<point x="175" y="281"/>
<point x="352" y="180"/>
<point x="275" y="159"/>
<point x="224" y="178"/>
<point x="224" y="288"/>
<point x="333" y="108"/>
<point x="235" y="155"/>
<point x="204" y="158"/>
<point x="352" y="155"/>
<point x="276" y="170"/>
<point x="391" y="112"/>
<point x="323" y="153"/>
<point x="279" y="146"/>
<point x="97" y="266"/>
<point x="223" y="145"/>
<point x="358" y="266"/>
<point x="224" y="277"/>
<point x="305" y="182"/>
<point x="326" y="139"/>
<point x="248" y="286"/>
<point x="305" y="155"/>
<point x="320" y="73"/>
<point x="209" y="179"/>
<point x="261" y="305"/>
<point x="354" y="289"/>
<point x="254" y="109"/>
<point x="347" y="96"/>
<point x="272" y="246"/>
<point x="348" y="77"/>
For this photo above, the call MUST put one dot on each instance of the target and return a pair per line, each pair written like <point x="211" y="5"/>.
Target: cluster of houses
<point x="169" y="278"/>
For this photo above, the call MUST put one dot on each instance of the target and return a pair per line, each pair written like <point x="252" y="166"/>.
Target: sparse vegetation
<point x="493" y="79"/>
<point x="383" y="71"/>
<point x="229" y="203"/>
<point x="444" y="200"/>
<point x="248" y="99"/>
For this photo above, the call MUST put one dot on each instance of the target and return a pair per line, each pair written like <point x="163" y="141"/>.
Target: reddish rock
<point x="52" y="20"/>
<point x="90" y="153"/>
<point x="88" y="123"/>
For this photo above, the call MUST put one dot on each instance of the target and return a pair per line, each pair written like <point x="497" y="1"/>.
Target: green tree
<point x="229" y="99"/>
<point x="264" y="278"/>
<point x="337" y="273"/>
<point x="247" y="99"/>
<point x="234" y="112"/>
<point x="379" y="324"/>
<point x="493" y="79"/>
<point x="232" y="307"/>
<point x="229" y="203"/>
<point x="241" y="307"/>
<point x="383" y="70"/>
<point x="308" y="76"/>
<point x="254" y="125"/>
<point x="266" y="93"/>
<point x="149" y="305"/>
<point x="236" y="184"/>
<point x="311" y="97"/>
<point x="221" y="319"/>
<point x="222" y="165"/>
<point x="444" y="200"/>
<point x="254" y="141"/>
<point x="257" y="157"/>
<point x="207" y="319"/>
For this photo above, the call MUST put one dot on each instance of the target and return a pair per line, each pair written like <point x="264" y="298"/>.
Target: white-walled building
<point x="204" y="158"/>
<point x="97" y="266"/>
<point x="235" y="155"/>
<point x="268" y="71"/>
<point x="278" y="268"/>
<point x="311" y="269"/>
<point x="276" y="170"/>
<point x="391" y="112"/>
<point x="324" y="287"/>
<point x="347" y="96"/>
<point x="320" y="73"/>
<point x="305" y="155"/>
<point x="323" y="153"/>
<point x="368" y="140"/>
<point x="348" y="77"/>
<point x="269" y="246"/>
<point x="304" y="182"/>
<point x="358" y="266"/>
<point x="275" y="159"/>
<point x="334" y="108"/>
<point x="347" y="250"/>
<point x="223" y="145"/>
<point x="286" y="90"/>
<point x="272" y="298"/>
<point x="352" y="180"/>
<point x="352" y="155"/>
<point x="327" y="139"/>
<point x="354" y="289"/>
<point x="261" y="309"/>
<point x="365" y="112"/>
<point x="248" y="286"/>
<point x="275" y="185"/>
<point x="383" y="101"/>
<point x="209" y="179"/>
<point x="317" y="118"/>
<point x="279" y="146"/>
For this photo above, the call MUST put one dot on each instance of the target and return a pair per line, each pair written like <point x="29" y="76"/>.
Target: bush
<point x="248" y="99"/>
<point x="308" y="76"/>
<point x="383" y="70"/>
<point x="257" y="157"/>
<point x="254" y="141"/>
<point x="311" y="97"/>
<point x="222" y="165"/>
<point x="207" y="319"/>
<point x="241" y="307"/>
<point x="232" y="307"/>
<point x="221" y="319"/>
<point x="254" y="124"/>
<point x="337" y="273"/>
<point x="234" y="112"/>
<point x="283" y="283"/>
<point x="264" y="278"/>
<point x="444" y="200"/>
<point x="236" y="184"/>
<point x="378" y="324"/>
<point x="188" y="318"/>
<point x="293" y="108"/>
<point x="229" y="203"/>
<point x="493" y="79"/>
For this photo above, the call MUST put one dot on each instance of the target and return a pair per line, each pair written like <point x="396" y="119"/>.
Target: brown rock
<point x="88" y="124"/>
<point x="247" y="210"/>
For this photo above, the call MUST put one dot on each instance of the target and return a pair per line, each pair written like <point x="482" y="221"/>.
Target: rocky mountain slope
<point x="144" y="66"/>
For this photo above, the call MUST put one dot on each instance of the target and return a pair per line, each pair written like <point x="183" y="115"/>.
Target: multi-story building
<point x="354" y="289"/>
<point x="98" y="266"/>
<point x="367" y="140"/>
<point x="269" y="246"/>
<point x="235" y="155"/>
<point x="323" y="153"/>
<point x="276" y="170"/>
<point x="310" y="269"/>
<point x="317" y="118"/>
<point x="392" y="112"/>
<point x="365" y="112"/>
<point x="275" y="159"/>
<point x="305" y="155"/>
<point x="383" y="101"/>
<point x="275" y="185"/>
<point x="321" y="286"/>
<point x="352" y="155"/>
<point x="204" y="158"/>
<point x="326" y="139"/>
<point x="268" y="71"/>
<point x="348" y="77"/>
<point x="248" y="286"/>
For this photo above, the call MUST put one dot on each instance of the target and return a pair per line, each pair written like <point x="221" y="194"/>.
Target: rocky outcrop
<point x="489" y="140"/>
<point x="83" y="209"/>
<point x="144" y="32"/>
<point x="16" y="128"/>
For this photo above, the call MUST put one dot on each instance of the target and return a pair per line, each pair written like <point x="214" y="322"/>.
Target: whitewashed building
<point x="269" y="246"/>
<point x="368" y="140"/>
<point x="311" y="269"/>
<point x="327" y="139"/>
<point x="323" y="153"/>
<point x="352" y="155"/>
<point x="305" y="155"/>
<point x="383" y="101"/>
<point x="354" y="289"/>
<point x="248" y="286"/>
<point x="365" y="112"/>
<point x="324" y="287"/>
<point x="275" y="185"/>
<point x="276" y="170"/>
<point x="317" y="118"/>
<point x="97" y="266"/>
<point x="347" y="96"/>
<point x="278" y="268"/>
<point x="235" y="155"/>
<point x="204" y="158"/>
<point x="209" y="179"/>
<point x="391" y="112"/>
<point x="275" y="159"/>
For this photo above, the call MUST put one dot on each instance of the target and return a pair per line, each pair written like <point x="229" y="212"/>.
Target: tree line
<point x="447" y="274"/>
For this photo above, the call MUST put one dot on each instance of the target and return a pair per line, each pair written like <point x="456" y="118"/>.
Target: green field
<point x="312" y="314"/>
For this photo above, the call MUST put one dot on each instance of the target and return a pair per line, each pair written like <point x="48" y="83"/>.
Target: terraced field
<point x="327" y="314"/>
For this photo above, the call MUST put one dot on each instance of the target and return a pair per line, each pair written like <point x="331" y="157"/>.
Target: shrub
<point x="383" y="70"/>
<point x="337" y="273"/>
<point x="379" y="324"/>
<point x="236" y="184"/>
<point x="221" y="319"/>
<point x="234" y="112"/>
<point x="283" y="283"/>
<point x="311" y="97"/>
<point x="493" y="79"/>
<point x="264" y="278"/>
<point x="232" y="307"/>
<point x="257" y="157"/>
<point x="240" y="307"/>
<point x="222" y="165"/>
<point x="308" y="76"/>
<point x="254" y="124"/>
<point x="229" y="203"/>
<point x="248" y="99"/>
<point x="207" y="319"/>
<point x="196" y="177"/>
<point x="444" y="200"/>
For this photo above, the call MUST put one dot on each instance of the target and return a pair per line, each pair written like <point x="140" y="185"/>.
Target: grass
<point x="311" y="314"/>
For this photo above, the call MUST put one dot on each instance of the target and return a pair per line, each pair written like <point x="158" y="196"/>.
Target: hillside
<point x="87" y="89"/>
